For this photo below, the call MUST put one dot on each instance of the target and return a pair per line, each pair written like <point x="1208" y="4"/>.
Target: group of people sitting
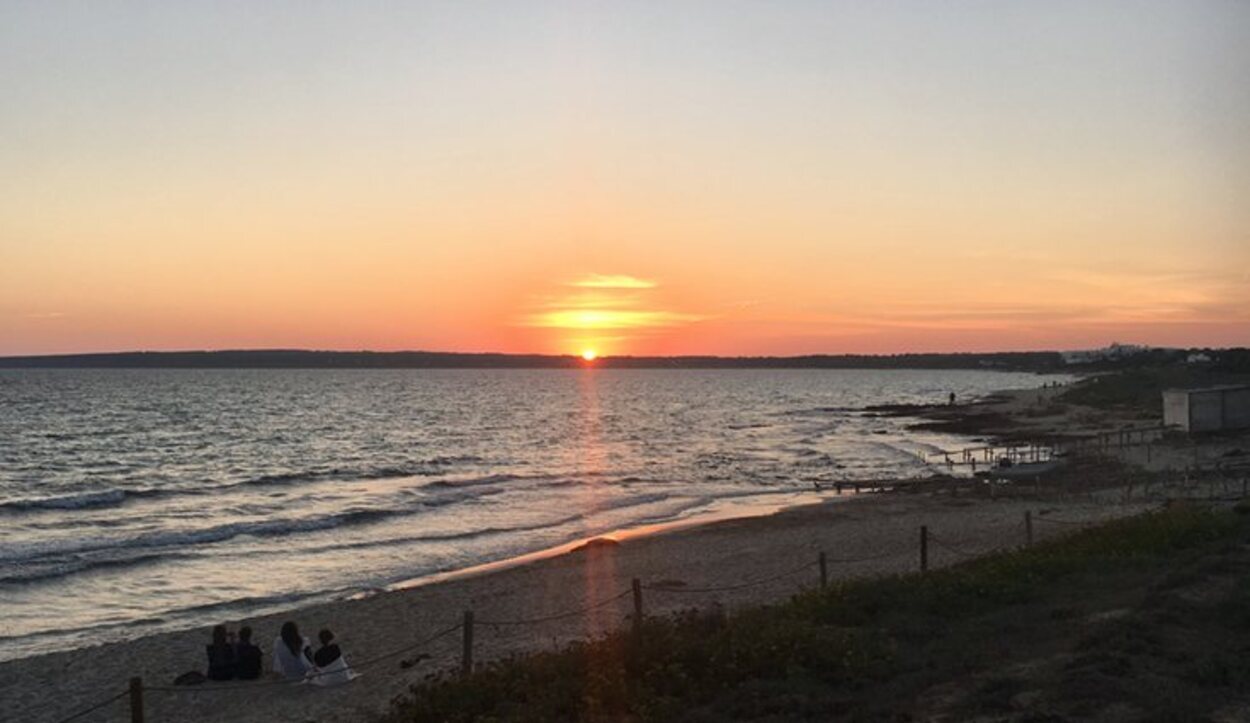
<point x="293" y="657"/>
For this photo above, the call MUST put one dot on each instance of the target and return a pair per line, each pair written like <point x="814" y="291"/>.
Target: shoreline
<point x="730" y="511"/>
<point x="570" y="575"/>
<point x="678" y="561"/>
<point x="616" y="536"/>
<point x="105" y="607"/>
<point x="763" y="504"/>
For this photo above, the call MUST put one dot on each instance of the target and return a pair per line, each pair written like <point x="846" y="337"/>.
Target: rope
<point x="729" y="588"/>
<point x="272" y="683"/>
<point x="952" y="548"/>
<point x="384" y="656"/>
<point x="95" y="707"/>
<point x="870" y="558"/>
<point x="1072" y="523"/>
<point x="558" y="616"/>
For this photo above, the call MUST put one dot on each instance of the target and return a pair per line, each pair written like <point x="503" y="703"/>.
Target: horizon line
<point x="569" y="355"/>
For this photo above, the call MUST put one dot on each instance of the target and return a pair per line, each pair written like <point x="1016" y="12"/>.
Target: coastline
<point x="725" y="547"/>
<point x="359" y="515"/>
<point x="855" y="532"/>
<point x="737" y="511"/>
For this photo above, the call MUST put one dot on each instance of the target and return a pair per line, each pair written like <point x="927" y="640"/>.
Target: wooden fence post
<point x="1028" y="527"/>
<point x="136" y="700"/>
<point x="924" y="548"/>
<point x="824" y="570"/>
<point x="466" y="656"/>
<point x="637" y="586"/>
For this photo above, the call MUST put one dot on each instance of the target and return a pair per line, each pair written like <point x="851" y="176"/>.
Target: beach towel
<point x="336" y="673"/>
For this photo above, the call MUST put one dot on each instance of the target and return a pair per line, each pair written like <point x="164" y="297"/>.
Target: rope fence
<point x="1069" y="523"/>
<point x="956" y="549"/>
<point x="95" y="707"/>
<point x="468" y="625"/>
<point x="557" y="616"/>
<point x="730" y="588"/>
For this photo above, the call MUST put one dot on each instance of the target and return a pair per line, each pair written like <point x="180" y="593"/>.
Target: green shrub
<point x="808" y="657"/>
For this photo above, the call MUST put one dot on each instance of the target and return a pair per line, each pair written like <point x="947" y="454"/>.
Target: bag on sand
<point x="194" y="677"/>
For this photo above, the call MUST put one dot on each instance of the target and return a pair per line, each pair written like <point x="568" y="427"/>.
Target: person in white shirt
<point x="292" y="653"/>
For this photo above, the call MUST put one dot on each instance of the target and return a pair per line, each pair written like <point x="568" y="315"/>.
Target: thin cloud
<point x="586" y="319"/>
<point x="591" y="300"/>
<point x="613" y="281"/>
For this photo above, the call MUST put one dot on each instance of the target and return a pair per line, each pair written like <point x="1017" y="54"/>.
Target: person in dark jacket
<point x="329" y="651"/>
<point x="332" y="668"/>
<point x="247" y="663"/>
<point x="220" y="655"/>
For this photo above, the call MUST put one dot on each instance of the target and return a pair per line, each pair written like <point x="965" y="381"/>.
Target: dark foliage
<point x="862" y="650"/>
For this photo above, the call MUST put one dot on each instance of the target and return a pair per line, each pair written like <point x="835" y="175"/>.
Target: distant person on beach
<point x="247" y="665"/>
<point x="952" y="398"/>
<point x="292" y="654"/>
<point x="331" y="667"/>
<point x="221" y="663"/>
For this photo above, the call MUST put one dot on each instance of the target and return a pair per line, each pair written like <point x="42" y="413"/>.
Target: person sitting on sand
<point x="328" y="652"/>
<point x="331" y="667"/>
<point x="247" y="664"/>
<point x="220" y="655"/>
<point x="292" y="654"/>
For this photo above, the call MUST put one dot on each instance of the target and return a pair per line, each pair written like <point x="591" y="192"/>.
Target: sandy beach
<point x="878" y="532"/>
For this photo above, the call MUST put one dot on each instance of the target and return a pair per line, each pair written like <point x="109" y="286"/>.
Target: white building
<point x="1115" y="351"/>
<point x="1207" y="410"/>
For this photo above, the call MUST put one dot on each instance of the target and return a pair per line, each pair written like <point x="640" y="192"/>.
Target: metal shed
<point x="1207" y="410"/>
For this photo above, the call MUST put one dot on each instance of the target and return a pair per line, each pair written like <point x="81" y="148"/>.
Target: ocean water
<point x="133" y="501"/>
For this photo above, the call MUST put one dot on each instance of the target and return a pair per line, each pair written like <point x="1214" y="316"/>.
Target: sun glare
<point x="589" y="355"/>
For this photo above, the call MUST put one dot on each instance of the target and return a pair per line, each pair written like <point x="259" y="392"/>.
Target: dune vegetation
<point x="1146" y="618"/>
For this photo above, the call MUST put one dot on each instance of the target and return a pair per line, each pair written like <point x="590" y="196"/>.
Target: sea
<point x="137" y="501"/>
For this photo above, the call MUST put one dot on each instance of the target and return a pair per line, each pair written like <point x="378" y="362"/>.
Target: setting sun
<point x="442" y="304"/>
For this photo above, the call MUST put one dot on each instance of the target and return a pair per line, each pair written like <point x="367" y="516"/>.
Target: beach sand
<point x="723" y="553"/>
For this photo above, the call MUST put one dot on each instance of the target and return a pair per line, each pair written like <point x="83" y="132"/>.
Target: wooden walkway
<point x="988" y="455"/>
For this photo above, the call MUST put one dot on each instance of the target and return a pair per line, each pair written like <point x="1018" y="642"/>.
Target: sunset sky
<point x="630" y="177"/>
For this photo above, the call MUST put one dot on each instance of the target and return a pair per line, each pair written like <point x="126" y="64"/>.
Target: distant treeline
<point x="1235" y="360"/>
<point x="301" y="359"/>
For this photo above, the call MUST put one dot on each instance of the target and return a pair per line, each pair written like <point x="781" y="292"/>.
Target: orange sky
<point x="556" y="176"/>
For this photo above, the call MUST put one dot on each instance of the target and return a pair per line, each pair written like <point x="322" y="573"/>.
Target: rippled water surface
<point x="133" y="501"/>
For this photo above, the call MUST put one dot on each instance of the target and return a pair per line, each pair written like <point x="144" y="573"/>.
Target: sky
<point x="725" y="177"/>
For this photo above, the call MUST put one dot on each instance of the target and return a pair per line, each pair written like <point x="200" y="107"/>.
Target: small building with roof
<point x="1212" y="409"/>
